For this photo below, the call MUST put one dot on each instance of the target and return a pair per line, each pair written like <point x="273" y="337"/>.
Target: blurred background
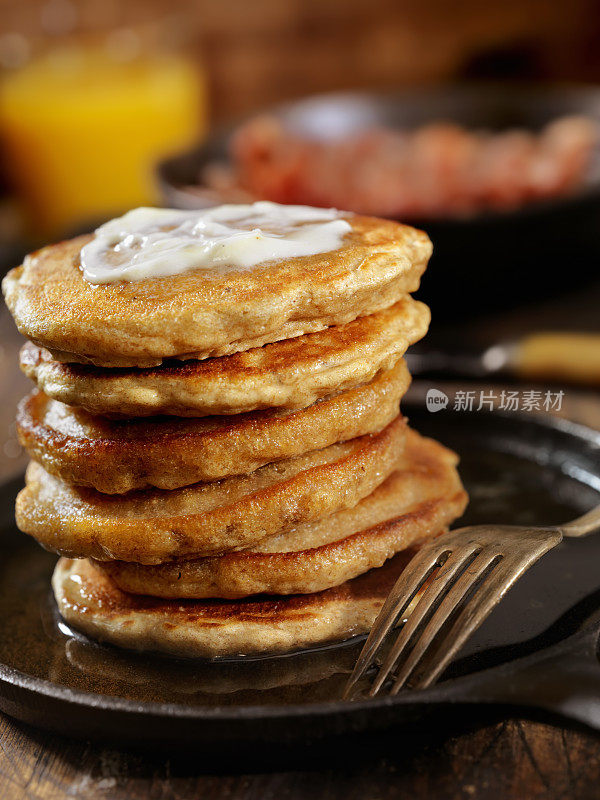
<point x="477" y="121"/>
<point x="96" y="91"/>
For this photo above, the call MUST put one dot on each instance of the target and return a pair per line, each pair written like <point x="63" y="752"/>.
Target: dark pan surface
<point x="486" y="260"/>
<point x="517" y="470"/>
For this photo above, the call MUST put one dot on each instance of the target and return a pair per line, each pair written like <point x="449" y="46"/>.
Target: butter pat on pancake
<point x="91" y="603"/>
<point x="159" y="242"/>
<point x="290" y="374"/>
<point x="420" y="499"/>
<point x="210" y="312"/>
<point x="117" y="456"/>
<point x="153" y="526"/>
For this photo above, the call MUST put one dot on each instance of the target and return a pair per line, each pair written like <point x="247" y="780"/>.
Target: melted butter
<point x="157" y="242"/>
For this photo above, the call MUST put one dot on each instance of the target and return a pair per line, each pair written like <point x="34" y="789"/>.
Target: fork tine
<point x="399" y="598"/>
<point x="478" y="608"/>
<point x="443" y="584"/>
<point x="484" y="561"/>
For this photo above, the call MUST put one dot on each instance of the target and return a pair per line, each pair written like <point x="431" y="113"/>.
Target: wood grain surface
<point x="468" y="758"/>
<point x="509" y="759"/>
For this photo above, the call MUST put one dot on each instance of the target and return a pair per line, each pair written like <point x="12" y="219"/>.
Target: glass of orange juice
<point x="84" y="123"/>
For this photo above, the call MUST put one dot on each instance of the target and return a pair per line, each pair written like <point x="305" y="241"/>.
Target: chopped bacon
<point x="438" y="170"/>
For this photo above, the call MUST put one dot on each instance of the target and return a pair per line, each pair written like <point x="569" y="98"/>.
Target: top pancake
<point x="206" y="312"/>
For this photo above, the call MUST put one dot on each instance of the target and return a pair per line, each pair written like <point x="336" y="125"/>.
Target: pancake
<point x="91" y="603"/>
<point x="154" y="525"/>
<point x="119" y="456"/>
<point x="210" y="312"/>
<point x="420" y="499"/>
<point x="291" y="374"/>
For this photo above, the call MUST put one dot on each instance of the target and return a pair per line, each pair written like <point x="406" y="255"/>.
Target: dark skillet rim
<point x="589" y="192"/>
<point x="441" y="693"/>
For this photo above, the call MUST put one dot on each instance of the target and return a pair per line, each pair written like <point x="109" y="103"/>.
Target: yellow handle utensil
<point x="567" y="357"/>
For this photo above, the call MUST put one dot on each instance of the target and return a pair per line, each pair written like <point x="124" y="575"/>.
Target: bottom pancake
<point x="91" y="603"/>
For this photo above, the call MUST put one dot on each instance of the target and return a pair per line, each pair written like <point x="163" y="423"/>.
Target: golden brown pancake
<point x="90" y="602"/>
<point x="210" y="312"/>
<point x="290" y="374"/>
<point x="420" y="499"/>
<point x="117" y="456"/>
<point x="154" y="525"/>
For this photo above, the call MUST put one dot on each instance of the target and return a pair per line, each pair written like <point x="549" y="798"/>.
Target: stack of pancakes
<point x="219" y="455"/>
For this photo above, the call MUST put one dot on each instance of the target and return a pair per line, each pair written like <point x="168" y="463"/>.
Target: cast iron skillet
<point x="537" y="649"/>
<point x="481" y="261"/>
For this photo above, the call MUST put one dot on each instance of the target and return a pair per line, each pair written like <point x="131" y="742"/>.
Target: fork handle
<point x="583" y="525"/>
<point x="563" y="679"/>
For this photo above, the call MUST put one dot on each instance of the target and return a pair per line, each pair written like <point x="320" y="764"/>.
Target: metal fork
<point x="461" y="575"/>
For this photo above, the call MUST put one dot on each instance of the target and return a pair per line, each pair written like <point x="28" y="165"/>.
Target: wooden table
<point x="510" y="758"/>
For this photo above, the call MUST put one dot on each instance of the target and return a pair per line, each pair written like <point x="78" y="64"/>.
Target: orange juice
<point x="83" y="132"/>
